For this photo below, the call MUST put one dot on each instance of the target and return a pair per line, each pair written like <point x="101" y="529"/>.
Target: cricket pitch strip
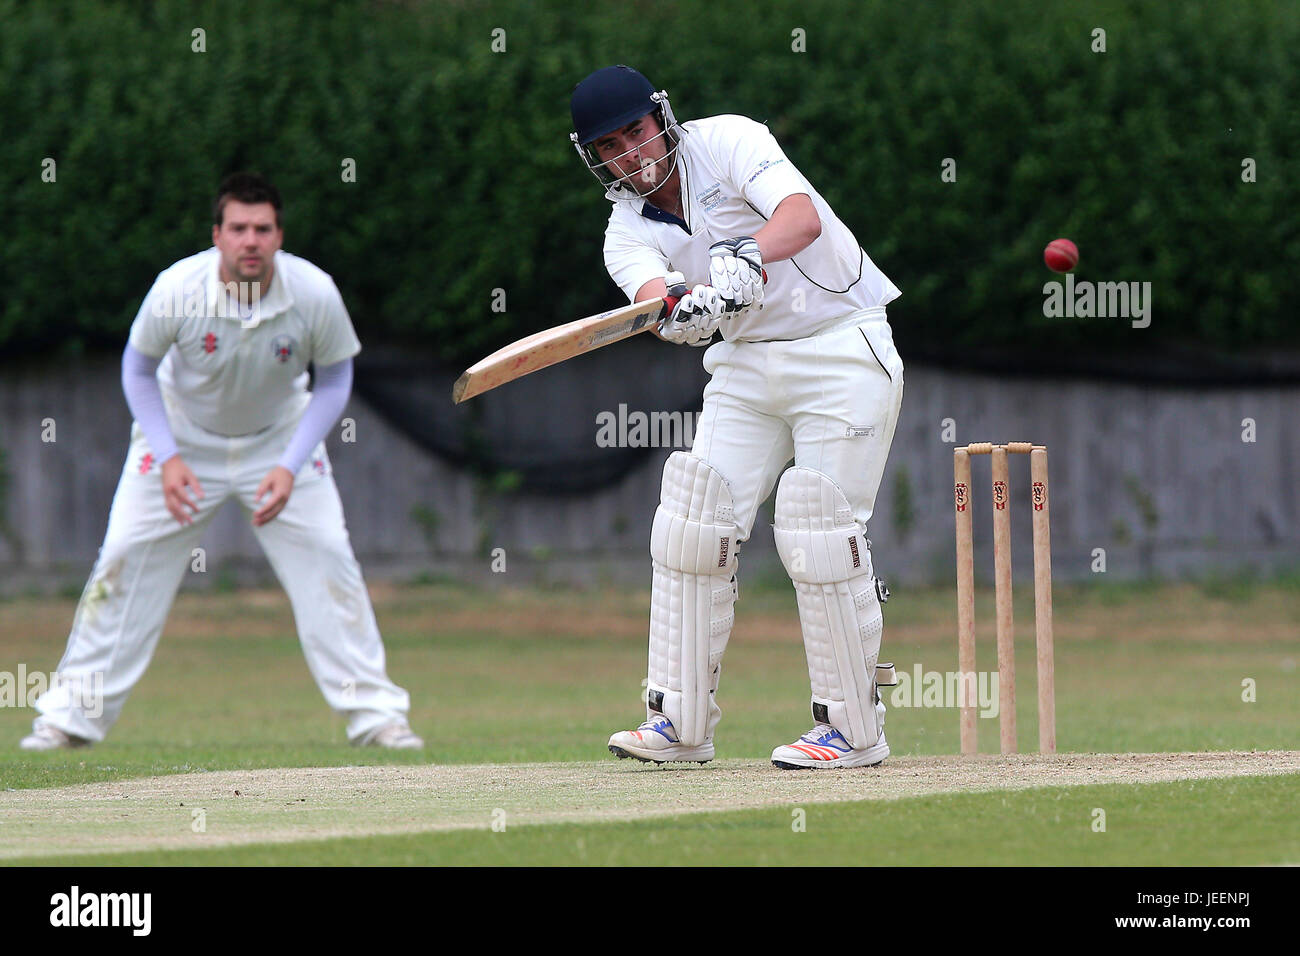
<point x="286" y="805"/>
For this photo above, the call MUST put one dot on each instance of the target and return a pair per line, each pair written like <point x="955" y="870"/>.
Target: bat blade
<point x="551" y="346"/>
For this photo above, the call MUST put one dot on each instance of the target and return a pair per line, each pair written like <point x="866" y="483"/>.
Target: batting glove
<point x="697" y="314"/>
<point x="736" y="271"/>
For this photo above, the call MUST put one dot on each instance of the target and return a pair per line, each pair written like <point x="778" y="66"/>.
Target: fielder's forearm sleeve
<point x="144" y="398"/>
<point x="329" y="396"/>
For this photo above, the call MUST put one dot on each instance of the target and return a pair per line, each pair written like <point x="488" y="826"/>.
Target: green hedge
<point x="467" y="183"/>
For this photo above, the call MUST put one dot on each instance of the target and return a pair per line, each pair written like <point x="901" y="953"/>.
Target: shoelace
<point x="819" y="732"/>
<point x="657" y="722"/>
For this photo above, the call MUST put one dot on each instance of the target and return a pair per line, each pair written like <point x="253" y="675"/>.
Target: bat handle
<point x="670" y="301"/>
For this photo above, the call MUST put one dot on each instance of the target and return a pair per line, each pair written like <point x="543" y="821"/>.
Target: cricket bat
<point x="546" y="348"/>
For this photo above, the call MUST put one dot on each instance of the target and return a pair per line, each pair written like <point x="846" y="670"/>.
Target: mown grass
<point x="504" y="675"/>
<point x="1235" y="822"/>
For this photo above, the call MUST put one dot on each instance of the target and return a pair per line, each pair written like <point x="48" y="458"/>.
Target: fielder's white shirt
<point x="236" y="374"/>
<point x="734" y="175"/>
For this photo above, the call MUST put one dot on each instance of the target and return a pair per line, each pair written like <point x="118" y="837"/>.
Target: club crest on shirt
<point x="209" y="343"/>
<point x="282" y="348"/>
<point x="711" y="197"/>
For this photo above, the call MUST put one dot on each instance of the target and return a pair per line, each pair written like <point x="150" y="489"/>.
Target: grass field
<point x="533" y="682"/>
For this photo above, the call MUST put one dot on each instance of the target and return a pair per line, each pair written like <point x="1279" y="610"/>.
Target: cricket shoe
<point x="394" y="736"/>
<point x="824" y="747"/>
<point x="655" y="741"/>
<point x="45" y="737"/>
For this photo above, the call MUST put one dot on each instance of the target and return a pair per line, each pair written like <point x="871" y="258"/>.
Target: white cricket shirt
<point x="233" y="374"/>
<point x="734" y="175"/>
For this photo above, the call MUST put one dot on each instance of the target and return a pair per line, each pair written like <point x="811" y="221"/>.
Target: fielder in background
<point x="215" y="375"/>
<point x="806" y="369"/>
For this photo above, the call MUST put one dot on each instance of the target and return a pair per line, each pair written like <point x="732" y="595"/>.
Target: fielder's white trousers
<point x="146" y="553"/>
<point x="829" y="401"/>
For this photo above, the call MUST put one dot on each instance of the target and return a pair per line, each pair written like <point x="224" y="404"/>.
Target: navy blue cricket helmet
<point x="607" y="100"/>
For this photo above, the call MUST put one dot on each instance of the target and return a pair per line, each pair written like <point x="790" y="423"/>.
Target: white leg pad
<point x="828" y="558"/>
<point x="693" y="545"/>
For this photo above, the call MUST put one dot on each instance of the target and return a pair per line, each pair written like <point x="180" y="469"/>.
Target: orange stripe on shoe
<point x="817" y="753"/>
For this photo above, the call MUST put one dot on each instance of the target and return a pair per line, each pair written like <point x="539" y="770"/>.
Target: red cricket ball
<point x="1061" y="255"/>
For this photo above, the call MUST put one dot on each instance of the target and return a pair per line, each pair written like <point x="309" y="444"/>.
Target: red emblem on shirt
<point x="146" y="463"/>
<point x="209" y="343"/>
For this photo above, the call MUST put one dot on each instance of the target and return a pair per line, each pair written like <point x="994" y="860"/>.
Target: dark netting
<point x="1163" y="365"/>
<point x="538" y="433"/>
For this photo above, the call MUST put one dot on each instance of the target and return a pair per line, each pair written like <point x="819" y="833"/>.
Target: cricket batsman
<point x="806" y="370"/>
<point x="215" y="376"/>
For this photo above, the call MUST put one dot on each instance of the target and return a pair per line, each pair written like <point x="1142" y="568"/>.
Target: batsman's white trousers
<point x="830" y="401"/>
<point x="146" y="553"/>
